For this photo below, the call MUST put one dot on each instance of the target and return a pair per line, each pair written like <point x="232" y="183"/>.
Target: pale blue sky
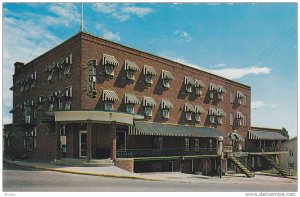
<point x="255" y="44"/>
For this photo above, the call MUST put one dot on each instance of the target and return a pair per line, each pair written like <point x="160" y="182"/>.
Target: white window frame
<point x="166" y="83"/>
<point x="245" y="100"/>
<point x="187" y="144"/>
<point x="197" y="145"/>
<point x="129" y="108"/>
<point x="212" y="119"/>
<point x="198" y="91"/>
<point x="51" y="107"/>
<point x="231" y="117"/>
<point x="109" y="70"/>
<point x="219" y="119"/>
<point x="166" y="113"/>
<point x="197" y="117"/>
<point x="148" y="79"/>
<point x="148" y="111"/>
<point x="189" y="88"/>
<point x="188" y="115"/>
<point x="130" y="74"/>
<point x="67" y="70"/>
<point x="50" y="76"/>
<point x="108" y="106"/>
<point x="68" y="105"/>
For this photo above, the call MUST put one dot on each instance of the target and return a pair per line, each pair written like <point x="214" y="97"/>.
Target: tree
<point x="285" y="132"/>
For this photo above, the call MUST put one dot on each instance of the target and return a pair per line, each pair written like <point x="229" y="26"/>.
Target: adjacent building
<point x="289" y="160"/>
<point x="92" y="98"/>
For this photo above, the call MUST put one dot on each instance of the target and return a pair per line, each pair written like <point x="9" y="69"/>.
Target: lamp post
<point x="220" y="152"/>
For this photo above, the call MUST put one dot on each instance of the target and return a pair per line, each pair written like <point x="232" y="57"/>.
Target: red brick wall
<point x="125" y="164"/>
<point x="93" y="48"/>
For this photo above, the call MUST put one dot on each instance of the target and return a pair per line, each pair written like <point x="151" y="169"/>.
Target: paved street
<point x="17" y="178"/>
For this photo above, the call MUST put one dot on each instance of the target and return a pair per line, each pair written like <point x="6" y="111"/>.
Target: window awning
<point x="199" y="83"/>
<point x="235" y="136"/>
<point x="221" y="89"/>
<point x="240" y="115"/>
<point x="265" y="135"/>
<point x="158" y="129"/>
<point x="221" y="112"/>
<point x="131" y="99"/>
<point x="199" y="109"/>
<point x="129" y="65"/>
<point x="212" y="111"/>
<point x="166" y="104"/>
<point x="212" y="87"/>
<point x="109" y="59"/>
<point x="166" y="75"/>
<point x="148" y="102"/>
<point x="189" y="81"/>
<point x="189" y="107"/>
<point x="109" y="96"/>
<point x="148" y="70"/>
<point x="51" y="67"/>
<point x="239" y="94"/>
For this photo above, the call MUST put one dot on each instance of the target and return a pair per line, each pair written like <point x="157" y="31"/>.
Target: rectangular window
<point x="188" y="88"/>
<point x="130" y="75"/>
<point x="32" y="84"/>
<point x="196" y="144"/>
<point x="219" y="119"/>
<point x="210" y="144"/>
<point x="109" y="70"/>
<point x="212" y="119"/>
<point x="231" y="119"/>
<point x="291" y="165"/>
<point x="245" y="121"/>
<point x="245" y="100"/>
<point x="166" y="113"/>
<point x="197" y="117"/>
<point x="232" y="96"/>
<point x="108" y="106"/>
<point x="187" y="144"/>
<point x="148" y="79"/>
<point x="148" y="111"/>
<point x="198" y="91"/>
<point x="129" y="109"/>
<point x="68" y="105"/>
<point x="67" y="70"/>
<point x="166" y="83"/>
<point x="59" y="104"/>
<point x="188" y="115"/>
<point x="211" y="94"/>
<point x="50" y="76"/>
<point x="51" y="107"/>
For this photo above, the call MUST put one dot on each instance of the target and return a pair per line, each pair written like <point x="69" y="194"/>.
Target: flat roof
<point x="137" y="50"/>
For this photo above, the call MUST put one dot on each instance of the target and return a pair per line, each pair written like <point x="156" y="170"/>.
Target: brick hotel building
<point x="90" y="99"/>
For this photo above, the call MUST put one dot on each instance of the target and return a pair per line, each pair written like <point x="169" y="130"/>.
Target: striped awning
<point x="60" y="63"/>
<point x="189" y="81"/>
<point x="265" y="135"/>
<point x="213" y="87"/>
<point x="33" y="76"/>
<point x="221" y="112"/>
<point x="235" y="136"/>
<point x="239" y="94"/>
<point x="67" y="92"/>
<point x="166" y="104"/>
<point x="129" y="65"/>
<point x="212" y="111"/>
<point x="109" y="96"/>
<point x="199" y="109"/>
<point x="68" y="59"/>
<point x="148" y="70"/>
<point x="51" y="67"/>
<point x="166" y="75"/>
<point x="131" y="99"/>
<point x="189" y="107"/>
<point x="159" y="129"/>
<point x="240" y="115"/>
<point x="199" y="83"/>
<point x="109" y="59"/>
<point x="148" y="102"/>
<point x="221" y="89"/>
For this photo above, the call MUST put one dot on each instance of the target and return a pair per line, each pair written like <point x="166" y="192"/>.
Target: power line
<point x="264" y="53"/>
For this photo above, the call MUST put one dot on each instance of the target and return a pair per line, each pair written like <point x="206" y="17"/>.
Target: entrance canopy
<point x="265" y="135"/>
<point x="153" y="128"/>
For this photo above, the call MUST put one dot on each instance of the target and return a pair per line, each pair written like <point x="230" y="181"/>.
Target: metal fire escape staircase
<point x="273" y="163"/>
<point x="237" y="162"/>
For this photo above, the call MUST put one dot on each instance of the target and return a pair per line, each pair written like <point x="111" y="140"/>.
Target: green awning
<point x="265" y="135"/>
<point x="159" y="129"/>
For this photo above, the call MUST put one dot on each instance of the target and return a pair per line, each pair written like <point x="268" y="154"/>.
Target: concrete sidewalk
<point x="109" y="171"/>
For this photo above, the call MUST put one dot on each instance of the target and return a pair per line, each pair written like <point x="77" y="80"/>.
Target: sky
<point x="251" y="43"/>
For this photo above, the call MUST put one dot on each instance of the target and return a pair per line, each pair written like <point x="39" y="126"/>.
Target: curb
<point x="275" y="175"/>
<point x="78" y="172"/>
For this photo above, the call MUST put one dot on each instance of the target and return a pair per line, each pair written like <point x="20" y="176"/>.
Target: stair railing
<point x="247" y="164"/>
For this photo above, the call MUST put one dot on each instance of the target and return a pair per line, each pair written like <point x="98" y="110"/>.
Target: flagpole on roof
<point x="82" y="27"/>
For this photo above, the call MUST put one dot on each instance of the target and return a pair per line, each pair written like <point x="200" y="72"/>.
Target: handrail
<point x="131" y="153"/>
<point x="247" y="164"/>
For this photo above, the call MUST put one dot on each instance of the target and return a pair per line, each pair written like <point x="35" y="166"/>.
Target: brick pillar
<point x="57" y="140"/>
<point x="113" y="149"/>
<point x="89" y="141"/>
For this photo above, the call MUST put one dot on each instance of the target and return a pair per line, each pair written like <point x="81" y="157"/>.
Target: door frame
<point x="81" y="132"/>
